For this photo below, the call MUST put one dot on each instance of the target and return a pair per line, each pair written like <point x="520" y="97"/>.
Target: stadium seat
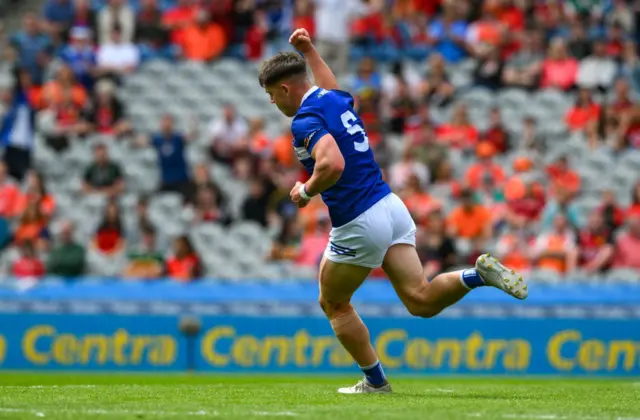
<point x="626" y="275"/>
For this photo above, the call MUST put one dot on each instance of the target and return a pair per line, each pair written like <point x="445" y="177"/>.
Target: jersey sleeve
<point x="307" y="129"/>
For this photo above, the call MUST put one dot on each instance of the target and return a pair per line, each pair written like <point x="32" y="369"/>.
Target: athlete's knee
<point x="423" y="311"/>
<point x="334" y="309"/>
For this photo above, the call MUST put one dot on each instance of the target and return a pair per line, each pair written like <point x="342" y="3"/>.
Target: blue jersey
<point x="360" y="186"/>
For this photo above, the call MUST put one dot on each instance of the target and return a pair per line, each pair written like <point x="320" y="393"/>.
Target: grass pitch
<point x="117" y="396"/>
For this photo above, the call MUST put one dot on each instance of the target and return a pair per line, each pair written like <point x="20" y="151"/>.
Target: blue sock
<point x="471" y="279"/>
<point x="374" y="374"/>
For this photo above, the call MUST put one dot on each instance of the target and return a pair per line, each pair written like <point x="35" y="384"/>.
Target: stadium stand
<point x="135" y="134"/>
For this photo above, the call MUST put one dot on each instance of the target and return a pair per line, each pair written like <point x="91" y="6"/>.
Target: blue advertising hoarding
<point x="306" y="344"/>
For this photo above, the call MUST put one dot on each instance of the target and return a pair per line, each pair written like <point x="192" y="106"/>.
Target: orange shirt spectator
<point x="53" y="93"/>
<point x="553" y="249"/>
<point x="312" y="213"/>
<point x="459" y="136"/>
<point x="469" y="222"/>
<point x="563" y="178"/>
<point x="9" y="194"/>
<point x="585" y="112"/>
<point x="32" y="227"/>
<point x="514" y="251"/>
<point x="283" y="150"/>
<point x="178" y="18"/>
<point x="485" y="167"/>
<point x="204" y="40"/>
<point x="184" y="265"/>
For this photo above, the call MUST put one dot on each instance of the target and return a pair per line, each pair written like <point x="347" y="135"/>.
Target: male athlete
<point x="371" y="225"/>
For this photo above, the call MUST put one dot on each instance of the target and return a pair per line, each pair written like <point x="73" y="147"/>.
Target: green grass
<point x="144" y="396"/>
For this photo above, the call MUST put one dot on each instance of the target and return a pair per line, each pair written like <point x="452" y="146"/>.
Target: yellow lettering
<point x="120" y="342"/>
<point x="300" y="343"/>
<point x="450" y="347"/>
<point x="591" y="354"/>
<point x="517" y="355"/>
<point x="494" y="348"/>
<point x="209" y="342"/>
<point x="554" y="349"/>
<point x="65" y="347"/>
<point x="3" y="348"/>
<point x="162" y="350"/>
<point x="29" y="342"/>
<point x="319" y="346"/>
<point x="244" y="350"/>
<point x="94" y="343"/>
<point x="382" y="344"/>
<point x="474" y="344"/>
<point x="417" y="353"/>
<point x="278" y="345"/>
<point x="616" y="348"/>
<point x="138" y="344"/>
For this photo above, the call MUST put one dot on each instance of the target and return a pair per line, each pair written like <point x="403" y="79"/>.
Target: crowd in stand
<point x="67" y="62"/>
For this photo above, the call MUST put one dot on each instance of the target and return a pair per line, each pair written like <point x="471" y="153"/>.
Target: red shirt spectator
<point x="178" y="18"/>
<point x="558" y="69"/>
<point x="627" y="253"/>
<point x="28" y="265"/>
<point x="459" y="133"/>
<point x="563" y="177"/>
<point x="184" y="265"/>
<point x="594" y="245"/>
<point x="9" y="194"/>
<point x="584" y="113"/>
<point x="496" y="134"/>
<point x="313" y="244"/>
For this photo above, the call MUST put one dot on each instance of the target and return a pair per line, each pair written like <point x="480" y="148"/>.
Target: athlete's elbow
<point x="336" y="167"/>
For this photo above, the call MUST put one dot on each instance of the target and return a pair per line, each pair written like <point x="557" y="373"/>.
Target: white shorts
<point x="364" y="241"/>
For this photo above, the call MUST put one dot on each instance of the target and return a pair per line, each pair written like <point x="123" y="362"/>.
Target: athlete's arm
<point x="327" y="170"/>
<point x="322" y="74"/>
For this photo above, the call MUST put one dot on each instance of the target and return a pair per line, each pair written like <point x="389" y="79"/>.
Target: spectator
<point x="597" y="70"/>
<point x="578" y="43"/>
<point x="170" y="146"/>
<point x="80" y="56"/>
<point x="58" y="15"/>
<point x="594" y="246"/>
<point x="332" y="30"/>
<point x="426" y="149"/>
<point x="630" y="65"/>
<point x="513" y="247"/>
<point x="523" y="68"/>
<point x="117" y="57"/>
<point x="405" y="169"/>
<point x="9" y="194"/>
<point x="107" y="115"/>
<point x="470" y="221"/>
<point x="402" y="107"/>
<point x="367" y="80"/>
<point x="627" y="250"/>
<point x="17" y="131"/>
<point x="459" y="133"/>
<point x="256" y="204"/>
<point x="140" y="222"/>
<point x="184" y="264"/>
<point x="178" y="18"/>
<point x="61" y="122"/>
<point x="448" y="34"/>
<point x="28" y="265"/>
<point x="435" y="248"/>
<point x="497" y="134"/>
<point x="559" y="70"/>
<point x="553" y="249"/>
<point x="283" y="152"/>
<point x="34" y="48"/>
<point x="616" y="39"/>
<point x="67" y="258"/>
<point x="118" y="17"/>
<point x="488" y="71"/>
<point x="258" y="141"/>
<point x="84" y="16"/>
<point x="563" y="177"/>
<point x="202" y="179"/>
<point x="525" y="197"/>
<point x="103" y="176"/>
<point x="621" y="14"/>
<point x="532" y="140"/>
<point x="227" y="133"/>
<point x="444" y="177"/>
<point x="436" y="87"/>
<point x="109" y="239"/>
<point x="145" y="261"/>
<point x="419" y="203"/>
<point x="635" y="199"/>
<point x="314" y="243"/>
<point x="286" y="245"/>
<point x="150" y="34"/>
<point x="33" y="228"/>
<point x="203" y="40"/>
<point x="485" y="168"/>
<point x="561" y="204"/>
<point x="36" y="192"/>
<point x="64" y="85"/>
<point x="585" y="114"/>
<point x="610" y="211"/>
<point x="207" y="210"/>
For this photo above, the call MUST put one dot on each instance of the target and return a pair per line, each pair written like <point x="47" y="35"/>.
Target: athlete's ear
<point x="285" y="89"/>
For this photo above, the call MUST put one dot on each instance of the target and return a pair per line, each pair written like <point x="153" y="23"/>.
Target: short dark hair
<point x="280" y="66"/>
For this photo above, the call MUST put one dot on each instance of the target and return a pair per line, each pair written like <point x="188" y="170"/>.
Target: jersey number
<point x="347" y="120"/>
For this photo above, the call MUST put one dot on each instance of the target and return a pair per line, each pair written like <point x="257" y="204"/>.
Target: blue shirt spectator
<point x="80" y="56"/>
<point x="34" y="48"/>
<point x="367" y="78"/>
<point x="170" y="146"/>
<point x="59" y="12"/>
<point x="449" y="37"/>
<point x="17" y="129"/>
